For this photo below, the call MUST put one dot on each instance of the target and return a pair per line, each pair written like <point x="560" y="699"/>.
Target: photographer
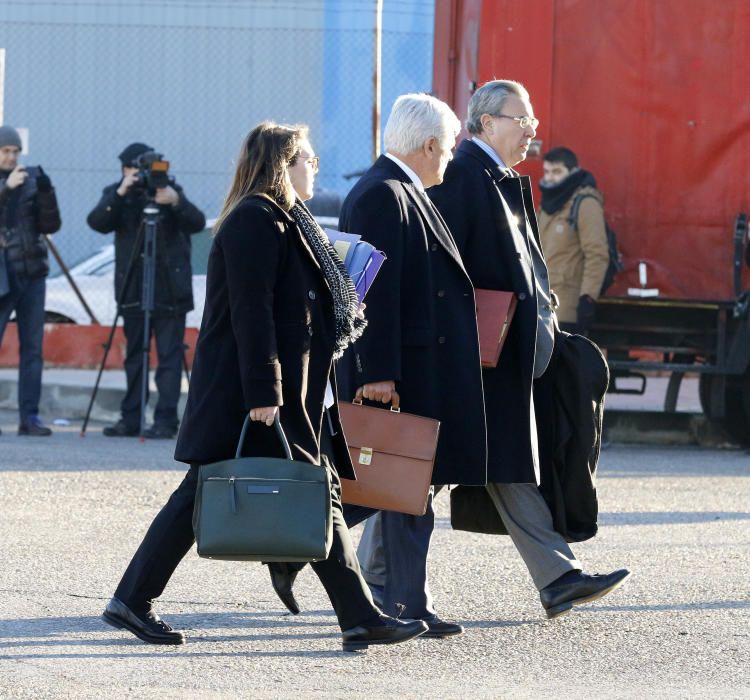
<point x="121" y="210"/>
<point x="28" y="210"/>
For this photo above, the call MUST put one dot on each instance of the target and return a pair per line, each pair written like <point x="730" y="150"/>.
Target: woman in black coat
<point x="279" y="308"/>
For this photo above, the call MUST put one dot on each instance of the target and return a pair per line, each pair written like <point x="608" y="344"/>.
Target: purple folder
<point x="361" y="259"/>
<point x="370" y="271"/>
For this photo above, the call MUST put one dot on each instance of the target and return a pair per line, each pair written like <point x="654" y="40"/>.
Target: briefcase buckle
<point x="365" y="456"/>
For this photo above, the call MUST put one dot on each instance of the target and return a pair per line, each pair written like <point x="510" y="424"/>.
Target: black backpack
<point x="615" y="257"/>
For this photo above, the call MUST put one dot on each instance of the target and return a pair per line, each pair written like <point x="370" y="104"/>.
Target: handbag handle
<point x="279" y="432"/>
<point x="395" y="402"/>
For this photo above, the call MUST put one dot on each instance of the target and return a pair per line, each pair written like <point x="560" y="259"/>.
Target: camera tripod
<point x="146" y="242"/>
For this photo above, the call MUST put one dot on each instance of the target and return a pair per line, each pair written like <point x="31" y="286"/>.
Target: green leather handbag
<point x="263" y="508"/>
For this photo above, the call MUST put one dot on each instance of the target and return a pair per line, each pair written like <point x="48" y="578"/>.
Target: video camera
<point x="152" y="172"/>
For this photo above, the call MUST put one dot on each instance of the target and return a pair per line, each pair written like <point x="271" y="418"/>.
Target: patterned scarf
<point x="345" y="300"/>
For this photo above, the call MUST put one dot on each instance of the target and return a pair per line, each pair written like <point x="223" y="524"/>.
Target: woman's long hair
<point x="263" y="167"/>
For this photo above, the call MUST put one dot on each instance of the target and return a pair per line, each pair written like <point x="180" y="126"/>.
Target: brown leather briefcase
<point x="494" y="313"/>
<point x="393" y="455"/>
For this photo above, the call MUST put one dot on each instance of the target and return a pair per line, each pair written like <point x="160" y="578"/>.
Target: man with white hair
<point x="490" y="212"/>
<point x="421" y="342"/>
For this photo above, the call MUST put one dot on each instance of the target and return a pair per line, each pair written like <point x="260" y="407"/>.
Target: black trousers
<point x="170" y="537"/>
<point x="169" y="334"/>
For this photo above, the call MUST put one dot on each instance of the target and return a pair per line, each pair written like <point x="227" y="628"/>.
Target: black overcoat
<point x="421" y="319"/>
<point x="266" y="339"/>
<point x="173" y="283"/>
<point x="491" y="216"/>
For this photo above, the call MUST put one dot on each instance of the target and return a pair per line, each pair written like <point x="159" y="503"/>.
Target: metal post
<point x="151" y="215"/>
<point x="376" y="79"/>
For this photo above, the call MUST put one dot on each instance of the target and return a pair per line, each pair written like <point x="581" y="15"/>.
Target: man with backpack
<point x="574" y="238"/>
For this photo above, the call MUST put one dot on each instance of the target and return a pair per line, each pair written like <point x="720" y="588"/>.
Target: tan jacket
<point x="577" y="261"/>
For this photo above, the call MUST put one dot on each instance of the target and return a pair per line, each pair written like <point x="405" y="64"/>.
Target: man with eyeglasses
<point x="489" y="210"/>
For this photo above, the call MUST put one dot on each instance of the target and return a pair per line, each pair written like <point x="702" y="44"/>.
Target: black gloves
<point x="585" y="314"/>
<point x="43" y="183"/>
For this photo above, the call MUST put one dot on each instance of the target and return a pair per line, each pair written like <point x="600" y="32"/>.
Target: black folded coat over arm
<point x="570" y="409"/>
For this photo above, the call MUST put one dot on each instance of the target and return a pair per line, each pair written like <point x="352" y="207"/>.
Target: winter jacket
<point x="26" y="214"/>
<point x="173" y="285"/>
<point x="577" y="259"/>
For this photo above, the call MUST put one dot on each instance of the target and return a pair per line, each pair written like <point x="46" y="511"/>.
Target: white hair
<point x="489" y="99"/>
<point x="414" y="119"/>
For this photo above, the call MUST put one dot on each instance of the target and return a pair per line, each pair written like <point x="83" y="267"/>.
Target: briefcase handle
<point x="395" y="402"/>
<point x="279" y="432"/>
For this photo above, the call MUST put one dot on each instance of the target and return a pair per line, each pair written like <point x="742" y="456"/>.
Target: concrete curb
<point x="71" y="401"/>
<point x="659" y="428"/>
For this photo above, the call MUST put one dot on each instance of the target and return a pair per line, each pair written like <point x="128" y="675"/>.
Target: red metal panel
<point x="661" y="114"/>
<point x="67" y="345"/>
<point x="655" y="99"/>
<point x="516" y="43"/>
<point x="455" y="66"/>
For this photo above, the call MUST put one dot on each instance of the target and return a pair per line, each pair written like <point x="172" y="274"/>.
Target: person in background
<point x="576" y="249"/>
<point x="28" y="211"/>
<point x="120" y="209"/>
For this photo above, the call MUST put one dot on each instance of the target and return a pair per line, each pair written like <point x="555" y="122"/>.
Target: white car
<point x="94" y="276"/>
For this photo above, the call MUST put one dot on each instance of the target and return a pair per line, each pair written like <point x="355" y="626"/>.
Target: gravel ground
<point x="73" y="510"/>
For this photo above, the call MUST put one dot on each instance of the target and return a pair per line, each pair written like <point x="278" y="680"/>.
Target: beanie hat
<point x="9" y="137"/>
<point x="131" y="152"/>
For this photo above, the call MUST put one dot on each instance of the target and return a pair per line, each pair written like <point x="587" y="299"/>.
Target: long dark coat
<point x="173" y="284"/>
<point x="422" y="325"/>
<point x="266" y="339"/>
<point x="491" y="216"/>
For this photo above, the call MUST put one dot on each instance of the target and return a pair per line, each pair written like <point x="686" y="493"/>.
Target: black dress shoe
<point x="149" y="628"/>
<point x="437" y="628"/>
<point x="120" y="429"/>
<point x="160" y="432"/>
<point x="391" y="631"/>
<point x="34" y="427"/>
<point x="282" y="580"/>
<point x="559" y="598"/>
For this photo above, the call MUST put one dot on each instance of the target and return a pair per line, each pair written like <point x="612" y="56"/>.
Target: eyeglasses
<point x="313" y="162"/>
<point x="523" y="122"/>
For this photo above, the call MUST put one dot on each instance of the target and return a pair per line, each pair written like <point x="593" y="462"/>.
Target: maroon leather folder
<point x="494" y="313"/>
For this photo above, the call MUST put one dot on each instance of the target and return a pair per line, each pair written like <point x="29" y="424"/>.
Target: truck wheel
<point x="736" y="419"/>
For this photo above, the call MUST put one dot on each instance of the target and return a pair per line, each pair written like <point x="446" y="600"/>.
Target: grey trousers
<point x="529" y="523"/>
<point x="528" y="520"/>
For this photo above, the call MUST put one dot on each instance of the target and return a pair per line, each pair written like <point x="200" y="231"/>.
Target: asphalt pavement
<point x="72" y="511"/>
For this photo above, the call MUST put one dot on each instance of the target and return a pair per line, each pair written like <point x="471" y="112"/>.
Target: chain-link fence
<point x="190" y="78"/>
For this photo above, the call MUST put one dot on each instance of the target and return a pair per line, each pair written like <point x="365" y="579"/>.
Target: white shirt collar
<point x="412" y="175"/>
<point x="491" y="152"/>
